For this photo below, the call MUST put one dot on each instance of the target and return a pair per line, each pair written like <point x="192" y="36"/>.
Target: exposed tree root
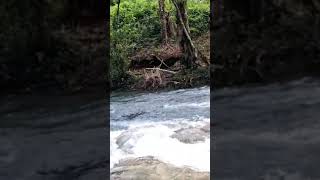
<point x="164" y="56"/>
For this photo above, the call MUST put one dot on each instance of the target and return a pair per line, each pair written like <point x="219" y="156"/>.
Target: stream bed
<point x="173" y="127"/>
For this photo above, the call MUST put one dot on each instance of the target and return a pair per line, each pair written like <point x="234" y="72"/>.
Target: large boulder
<point x="149" y="168"/>
<point x="192" y="135"/>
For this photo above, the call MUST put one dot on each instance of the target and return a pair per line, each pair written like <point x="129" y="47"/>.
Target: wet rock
<point x="126" y="139"/>
<point x="192" y="135"/>
<point x="149" y="168"/>
<point x="133" y="115"/>
<point x="206" y="128"/>
<point x="123" y="138"/>
<point x="122" y="141"/>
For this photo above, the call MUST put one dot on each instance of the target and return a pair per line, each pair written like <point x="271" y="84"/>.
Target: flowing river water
<point x="53" y="137"/>
<point x="148" y="122"/>
<point x="269" y="132"/>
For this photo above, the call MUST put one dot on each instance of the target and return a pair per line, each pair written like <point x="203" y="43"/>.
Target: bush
<point x="138" y="20"/>
<point x="199" y="16"/>
<point x="138" y="25"/>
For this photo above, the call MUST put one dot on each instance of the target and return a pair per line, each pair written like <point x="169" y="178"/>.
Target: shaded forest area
<point x="62" y="44"/>
<point x="52" y="45"/>
<point x="159" y="44"/>
<point x="256" y="41"/>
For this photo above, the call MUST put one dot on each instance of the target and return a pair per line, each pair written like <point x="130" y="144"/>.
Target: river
<point x="268" y="132"/>
<point x="53" y="137"/>
<point x="150" y="120"/>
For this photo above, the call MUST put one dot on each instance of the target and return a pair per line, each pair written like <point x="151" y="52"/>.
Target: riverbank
<point x="159" y="67"/>
<point x="75" y="62"/>
<point x="57" y="46"/>
<point x="283" y="45"/>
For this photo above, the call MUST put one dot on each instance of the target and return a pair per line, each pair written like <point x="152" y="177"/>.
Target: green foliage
<point x="198" y="14"/>
<point x="137" y="21"/>
<point x="138" y="25"/>
<point x="118" y="64"/>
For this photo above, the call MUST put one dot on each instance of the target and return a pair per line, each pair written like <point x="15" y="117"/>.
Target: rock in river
<point x="192" y="135"/>
<point x="149" y="168"/>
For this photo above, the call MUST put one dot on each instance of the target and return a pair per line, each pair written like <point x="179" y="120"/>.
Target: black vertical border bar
<point x="108" y="89"/>
<point x="211" y="90"/>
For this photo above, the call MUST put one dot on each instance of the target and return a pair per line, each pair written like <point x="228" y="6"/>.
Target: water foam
<point x="154" y="139"/>
<point x="150" y="134"/>
<point x="194" y="105"/>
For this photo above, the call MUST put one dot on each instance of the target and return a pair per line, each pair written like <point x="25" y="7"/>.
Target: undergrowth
<point x="138" y="26"/>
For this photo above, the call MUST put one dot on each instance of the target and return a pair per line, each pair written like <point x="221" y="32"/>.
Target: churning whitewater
<point x="170" y="126"/>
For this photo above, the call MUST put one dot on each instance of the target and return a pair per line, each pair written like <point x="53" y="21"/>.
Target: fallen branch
<point x="164" y="70"/>
<point x="161" y="60"/>
<point x="174" y="82"/>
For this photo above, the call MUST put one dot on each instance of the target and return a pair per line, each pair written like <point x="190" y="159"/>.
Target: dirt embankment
<point x="160" y="67"/>
<point x="77" y="60"/>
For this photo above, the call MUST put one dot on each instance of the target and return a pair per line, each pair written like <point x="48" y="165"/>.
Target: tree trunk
<point x="164" y="22"/>
<point x="190" y="53"/>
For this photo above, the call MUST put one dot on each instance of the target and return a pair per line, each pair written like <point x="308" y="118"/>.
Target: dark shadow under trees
<point x="42" y="44"/>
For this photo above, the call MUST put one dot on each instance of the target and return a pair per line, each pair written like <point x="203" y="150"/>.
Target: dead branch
<point x="164" y="70"/>
<point x="161" y="60"/>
